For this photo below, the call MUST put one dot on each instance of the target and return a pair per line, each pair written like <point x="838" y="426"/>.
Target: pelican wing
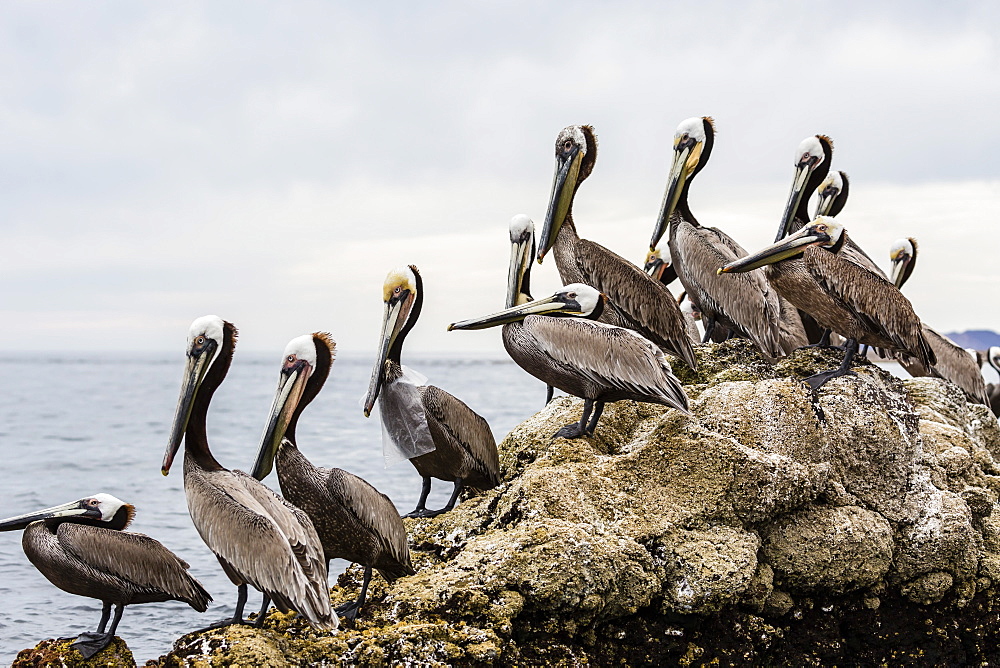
<point x="268" y="541"/>
<point x="746" y="299"/>
<point x="608" y="355"/>
<point x="134" y="557"/>
<point x="467" y="427"/>
<point x="646" y="304"/>
<point x="374" y="511"/>
<point x="853" y="252"/>
<point x="872" y="299"/>
<point x="954" y="364"/>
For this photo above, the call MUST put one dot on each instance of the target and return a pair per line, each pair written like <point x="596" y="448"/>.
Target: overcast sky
<point x="271" y="162"/>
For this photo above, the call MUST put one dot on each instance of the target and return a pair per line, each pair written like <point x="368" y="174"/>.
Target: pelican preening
<point x="463" y="448"/>
<point x="953" y="362"/>
<point x="82" y="548"/>
<point x="591" y="360"/>
<point x="259" y="538"/>
<point x="747" y="306"/>
<point x="637" y="301"/>
<point x="807" y="269"/>
<point x="354" y="520"/>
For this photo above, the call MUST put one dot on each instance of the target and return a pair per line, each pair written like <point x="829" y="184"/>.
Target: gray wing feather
<point x="267" y="540"/>
<point x="646" y="301"/>
<point x="377" y="512"/>
<point x="134" y="557"/>
<point x="953" y="363"/>
<point x="608" y="356"/>
<point x="466" y="426"/>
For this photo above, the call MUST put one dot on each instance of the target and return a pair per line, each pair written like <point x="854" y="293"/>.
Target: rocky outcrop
<point x="773" y="525"/>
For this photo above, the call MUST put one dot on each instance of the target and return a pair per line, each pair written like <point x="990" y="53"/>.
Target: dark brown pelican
<point x="954" y="363"/>
<point x="456" y="443"/>
<point x="354" y="520"/>
<point x="807" y="269"/>
<point x="259" y="538"/>
<point x="636" y="301"/>
<point x="597" y="362"/>
<point x="82" y="548"/>
<point x="748" y="307"/>
<point x="831" y="195"/>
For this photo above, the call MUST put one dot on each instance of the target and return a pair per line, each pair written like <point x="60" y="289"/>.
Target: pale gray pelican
<point x="464" y="450"/>
<point x="259" y="538"/>
<point x="748" y="307"/>
<point x="953" y="362"/>
<point x="597" y="362"/>
<point x="82" y="548"/>
<point x="354" y="520"/>
<point x="807" y="269"/>
<point x="637" y="301"/>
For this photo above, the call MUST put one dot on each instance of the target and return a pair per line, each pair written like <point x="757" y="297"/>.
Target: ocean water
<point x="75" y="425"/>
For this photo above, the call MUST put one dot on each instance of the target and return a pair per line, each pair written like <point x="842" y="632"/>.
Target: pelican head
<point x="693" y="142"/>
<point x="401" y="293"/>
<point x="657" y="262"/>
<point x="993" y="357"/>
<point x="577" y="299"/>
<point x="305" y="365"/>
<point x="812" y="162"/>
<point x="832" y="193"/>
<point x="824" y="232"/>
<point x="205" y="342"/>
<point x="522" y="249"/>
<point x="903" y="255"/>
<point x="100" y="509"/>
<point x="576" y="153"/>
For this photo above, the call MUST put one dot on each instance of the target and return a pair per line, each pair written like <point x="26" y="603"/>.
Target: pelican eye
<point x="200" y="341"/>
<point x="397" y="290"/>
<point x="93" y="503"/>
<point x="290" y="358"/>
<point x="572" y="295"/>
<point x="568" y="145"/>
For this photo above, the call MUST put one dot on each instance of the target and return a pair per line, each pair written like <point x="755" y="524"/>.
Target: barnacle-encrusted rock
<point x="60" y="652"/>
<point x="775" y="525"/>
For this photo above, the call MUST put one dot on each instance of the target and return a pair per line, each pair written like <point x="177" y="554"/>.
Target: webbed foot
<point x="818" y="380"/>
<point x="90" y="643"/>
<point x="348" y="610"/>
<point x="571" y="431"/>
<point x="424" y="512"/>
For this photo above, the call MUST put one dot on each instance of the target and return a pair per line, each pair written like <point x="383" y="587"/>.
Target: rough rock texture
<point x="60" y="653"/>
<point x="774" y="525"/>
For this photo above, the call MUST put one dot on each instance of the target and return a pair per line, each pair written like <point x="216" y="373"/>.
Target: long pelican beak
<point x="396" y="311"/>
<point x="563" y="189"/>
<point x="802" y="172"/>
<point x="521" y="251"/>
<point x="687" y="153"/>
<point x="897" y="271"/>
<point x="291" y="385"/>
<point x="65" y="510"/>
<point x="198" y="362"/>
<point x="556" y="304"/>
<point x="776" y="252"/>
<point x="827" y="196"/>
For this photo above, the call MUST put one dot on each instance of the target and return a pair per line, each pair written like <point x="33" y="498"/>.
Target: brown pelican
<point x="832" y="195"/>
<point x="259" y="538"/>
<point x="807" y="269"/>
<point x="993" y="389"/>
<point x="82" y="548"/>
<point x="522" y="235"/>
<point x="659" y="266"/>
<point x="748" y="306"/>
<point x="354" y="520"/>
<point x="452" y="441"/>
<point x="953" y="362"/>
<point x="597" y="362"/>
<point x="636" y="301"/>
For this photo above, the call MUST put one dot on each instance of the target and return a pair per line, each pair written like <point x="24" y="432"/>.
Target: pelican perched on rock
<point x="748" y="307"/>
<point x="637" y="301"/>
<point x="354" y="520"/>
<point x="597" y="362"/>
<point x="259" y="538"/>
<point x="441" y="436"/>
<point x="82" y="548"/>
<point x="808" y="270"/>
<point x="953" y="362"/>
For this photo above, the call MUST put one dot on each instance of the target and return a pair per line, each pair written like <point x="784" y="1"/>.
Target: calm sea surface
<point x="75" y="425"/>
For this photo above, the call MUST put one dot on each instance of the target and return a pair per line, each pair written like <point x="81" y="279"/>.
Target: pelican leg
<point x="817" y="381"/>
<point x="423" y="512"/>
<point x="237" y="618"/>
<point x="105" y="616"/>
<point x="824" y="341"/>
<point x="549" y="390"/>
<point x="89" y="644"/>
<point x="592" y="425"/>
<point x="709" y="328"/>
<point x="577" y="429"/>
<point x="262" y="615"/>
<point x="351" y="609"/>
<point x="422" y="501"/>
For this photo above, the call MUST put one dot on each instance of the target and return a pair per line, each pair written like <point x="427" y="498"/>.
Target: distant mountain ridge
<point x="980" y="339"/>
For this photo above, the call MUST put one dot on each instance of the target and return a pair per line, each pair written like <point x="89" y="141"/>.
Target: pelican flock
<point x="604" y="336"/>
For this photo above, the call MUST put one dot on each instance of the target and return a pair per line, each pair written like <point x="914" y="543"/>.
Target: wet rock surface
<point x="774" y="525"/>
